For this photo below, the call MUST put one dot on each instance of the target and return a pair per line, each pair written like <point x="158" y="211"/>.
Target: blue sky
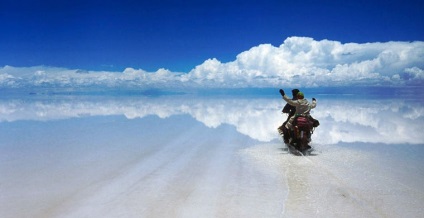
<point x="179" y="35"/>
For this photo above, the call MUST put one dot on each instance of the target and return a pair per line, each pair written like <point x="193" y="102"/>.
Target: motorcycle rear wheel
<point x="303" y="141"/>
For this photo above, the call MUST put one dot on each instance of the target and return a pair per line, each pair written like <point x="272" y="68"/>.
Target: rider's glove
<point x="282" y="92"/>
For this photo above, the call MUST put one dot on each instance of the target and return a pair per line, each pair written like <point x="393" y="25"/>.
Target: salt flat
<point x="188" y="157"/>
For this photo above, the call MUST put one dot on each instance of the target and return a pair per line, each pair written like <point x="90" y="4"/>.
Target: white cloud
<point x="299" y="61"/>
<point x="415" y="73"/>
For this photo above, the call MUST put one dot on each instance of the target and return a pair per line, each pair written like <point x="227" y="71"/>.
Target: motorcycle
<point x="300" y="136"/>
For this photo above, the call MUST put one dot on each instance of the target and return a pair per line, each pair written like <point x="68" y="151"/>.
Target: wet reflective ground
<point x="215" y="156"/>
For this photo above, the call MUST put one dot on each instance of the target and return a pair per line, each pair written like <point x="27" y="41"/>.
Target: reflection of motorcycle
<point x="300" y="136"/>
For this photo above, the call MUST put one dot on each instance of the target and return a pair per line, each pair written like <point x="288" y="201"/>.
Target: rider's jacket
<point x="303" y="107"/>
<point x="289" y="109"/>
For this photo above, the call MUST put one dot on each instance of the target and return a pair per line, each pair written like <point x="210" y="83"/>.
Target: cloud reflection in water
<point x="342" y="120"/>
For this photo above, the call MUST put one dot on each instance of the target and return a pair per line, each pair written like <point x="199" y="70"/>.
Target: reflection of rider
<point x="303" y="107"/>
<point x="290" y="110"/>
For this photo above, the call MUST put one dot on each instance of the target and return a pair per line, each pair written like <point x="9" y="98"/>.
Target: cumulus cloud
<point x="298" y="61"/>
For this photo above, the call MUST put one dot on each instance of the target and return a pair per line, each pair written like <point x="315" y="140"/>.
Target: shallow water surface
<point x="186" y="156"/>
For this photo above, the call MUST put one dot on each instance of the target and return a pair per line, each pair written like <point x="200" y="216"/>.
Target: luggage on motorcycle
<point x="306" y="123"/>
<point x="315" y="123"/>
<point x="303" y="123"/>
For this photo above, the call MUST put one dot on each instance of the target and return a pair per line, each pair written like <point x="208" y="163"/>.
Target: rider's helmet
<point x="300" y="95"/>
<point x="294" y="92"/>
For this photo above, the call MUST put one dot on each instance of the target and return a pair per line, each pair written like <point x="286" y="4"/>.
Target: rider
<point x="303" y="107"/>
<point x="290" y="110"/>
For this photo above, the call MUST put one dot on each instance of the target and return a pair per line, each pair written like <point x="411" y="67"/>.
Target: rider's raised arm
<point x="314" y="103"/>
<point x="290" y="101"/>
